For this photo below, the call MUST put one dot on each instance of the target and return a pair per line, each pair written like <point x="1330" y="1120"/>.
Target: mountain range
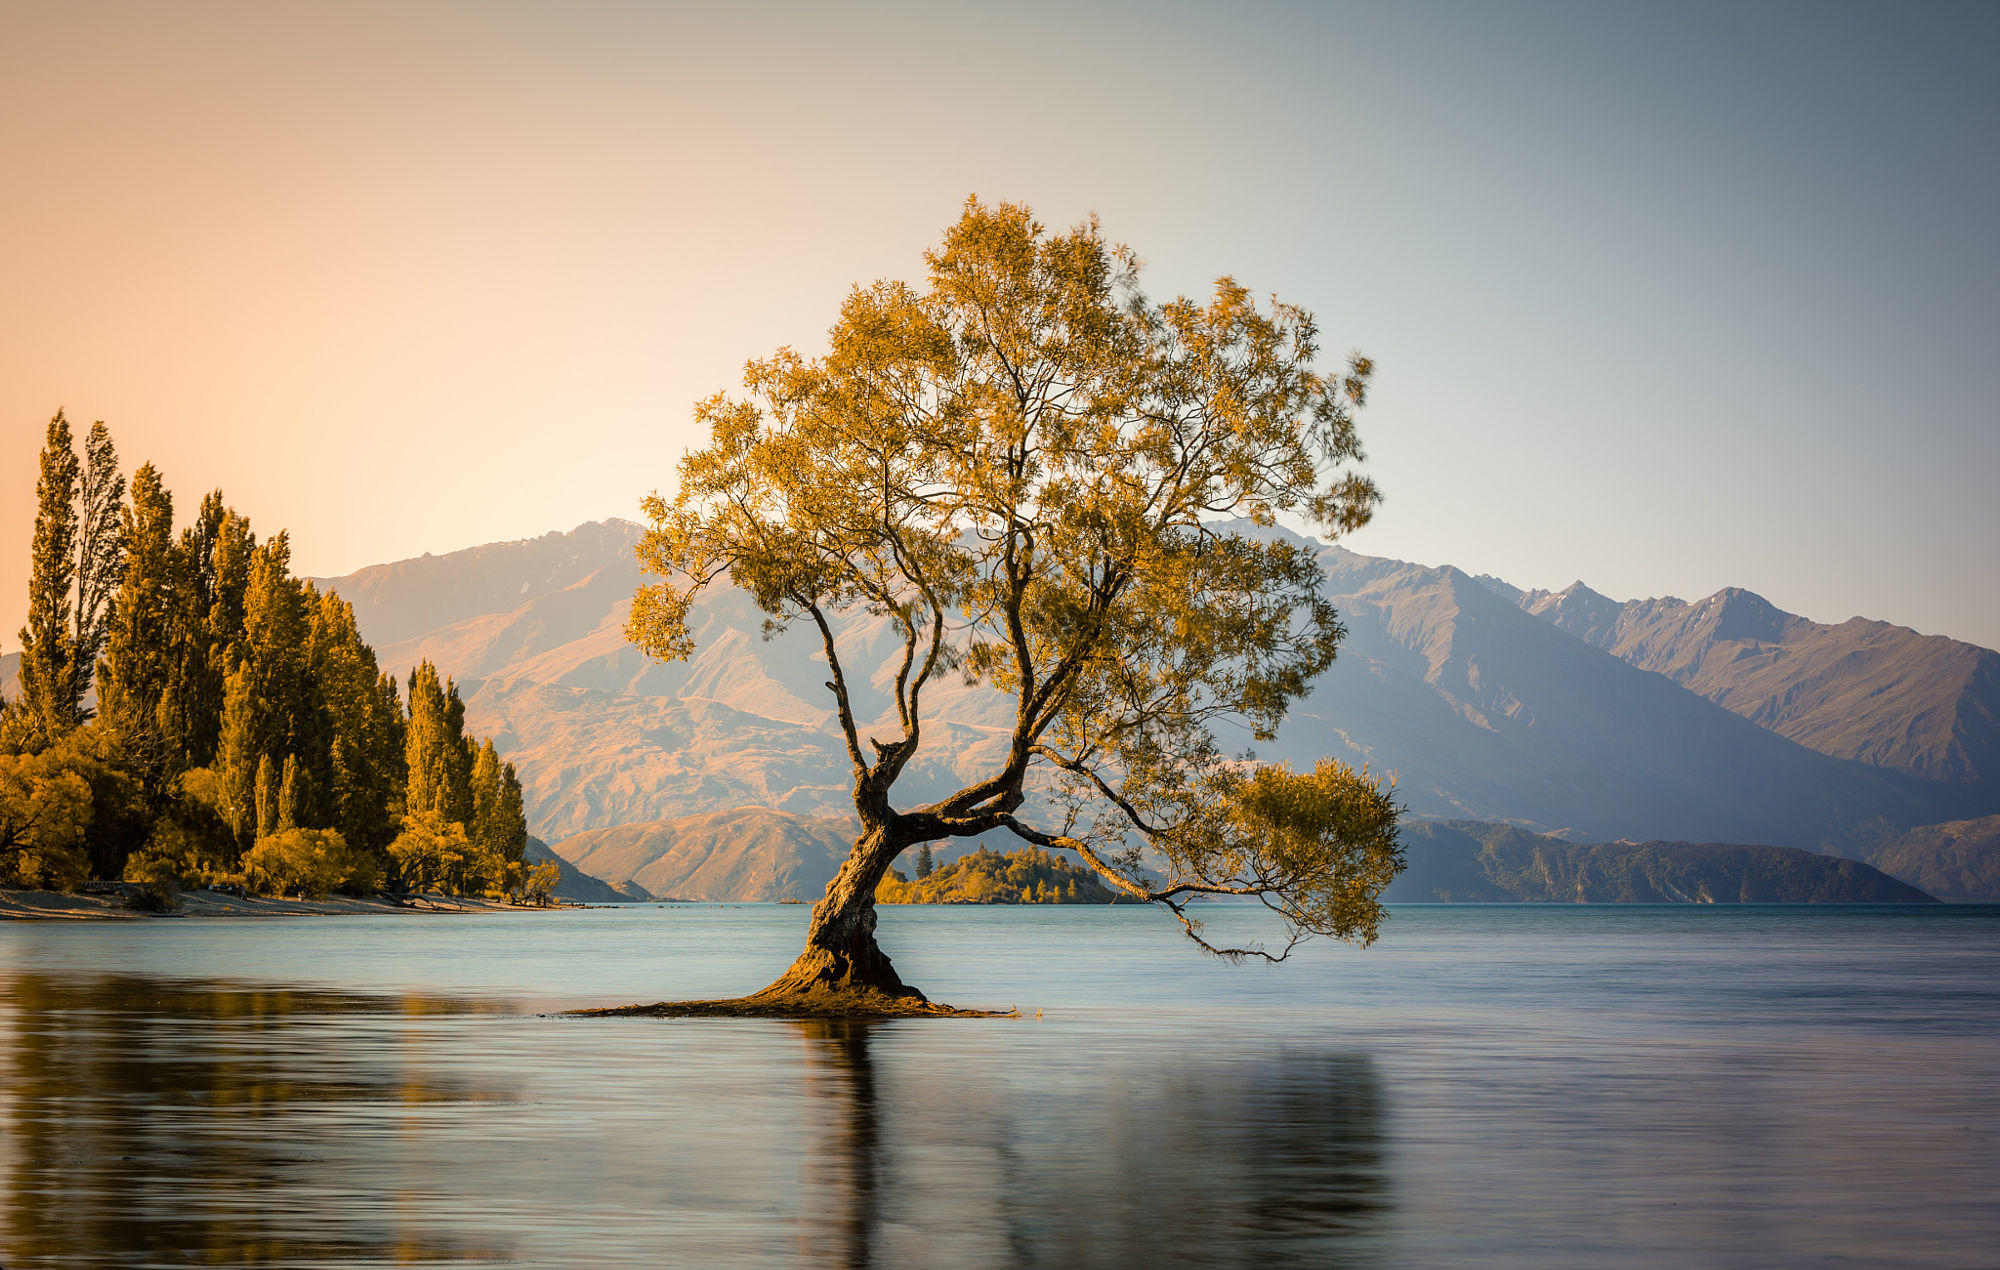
<point x="1884" y="695"/>
<point x="1567" y="714"/>
<point x="754" y="853"/>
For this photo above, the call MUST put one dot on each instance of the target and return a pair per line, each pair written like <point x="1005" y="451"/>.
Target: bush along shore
<point x="192" y="716"/>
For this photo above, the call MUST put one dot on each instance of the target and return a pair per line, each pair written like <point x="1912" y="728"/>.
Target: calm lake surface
<point x="1532" y="1086"/>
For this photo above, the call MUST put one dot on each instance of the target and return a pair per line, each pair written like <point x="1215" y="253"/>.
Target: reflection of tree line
<point x="142" y="1116"/>
<point x="211" y="1123"/>
<point x="1280" y="1160"/>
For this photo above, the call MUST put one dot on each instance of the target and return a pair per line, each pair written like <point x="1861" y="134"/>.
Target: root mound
<point x="863" y="1003"/>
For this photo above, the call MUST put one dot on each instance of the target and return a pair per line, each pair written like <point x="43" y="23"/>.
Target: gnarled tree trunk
<point x="841" y="973"/>
<point x="841" y="961"/>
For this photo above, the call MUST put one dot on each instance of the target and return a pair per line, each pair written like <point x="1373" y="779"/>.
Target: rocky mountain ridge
<point x="1481" y="704"/>
<point x="1880" y="694"/>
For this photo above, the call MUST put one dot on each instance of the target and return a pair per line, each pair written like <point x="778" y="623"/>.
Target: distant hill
<point x="1880" y="694"/>
<point x="745" y="853"/>
<point x="1466" y="861"/>
<point x="1958" y="860"/>
<point x="575" y="884"/>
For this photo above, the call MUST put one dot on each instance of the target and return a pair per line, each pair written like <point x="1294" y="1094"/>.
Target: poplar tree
<point x="191" y="704"/>
<point x="426" y="745"/>
<point x="100" y="554"/>
<point x="513" y="816"/>
<point x="273" y="643"/>
<point x="48" y="644"/>
<point x="460" y="753"/>
<point x="485" y="825"/>
<point x="266" y="797"/>
<point x="237" y="756"/>
<point x="144" y="640"/>
<point x="361" y="767"/>
<point x="291" y="794"/>
<point x="375" y="825"/>
<point x="215" y="554"/>
<point x="235" y="544"/>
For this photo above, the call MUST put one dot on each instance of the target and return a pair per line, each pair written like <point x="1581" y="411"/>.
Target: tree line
<point x="191" y="714"/>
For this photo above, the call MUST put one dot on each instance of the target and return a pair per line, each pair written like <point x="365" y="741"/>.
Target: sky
<point x="1663" y="297"/>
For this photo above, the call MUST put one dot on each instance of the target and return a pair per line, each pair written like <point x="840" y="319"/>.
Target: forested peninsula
<point x="192" y="715"/>
<point x="984" y="876"/>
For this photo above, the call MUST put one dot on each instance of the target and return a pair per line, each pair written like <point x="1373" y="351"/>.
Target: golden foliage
<point x="310" y="862"/>
<point x="45" y="807"/>
<point x="1026" y="464"/>
<point x="435" y="854"/>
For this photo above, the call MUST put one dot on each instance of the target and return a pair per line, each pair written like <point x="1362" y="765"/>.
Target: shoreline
<point x="45" y="906"/>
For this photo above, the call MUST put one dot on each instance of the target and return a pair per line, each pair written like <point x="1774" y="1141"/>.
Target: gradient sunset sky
<point x="1668" y="297"/>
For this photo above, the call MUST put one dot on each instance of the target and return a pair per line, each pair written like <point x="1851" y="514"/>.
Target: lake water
<point x="1519" y="1086"/>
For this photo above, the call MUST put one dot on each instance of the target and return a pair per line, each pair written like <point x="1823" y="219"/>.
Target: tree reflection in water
<point x="160" y="1122"/>
<point x="1254" y="1161"/>
<point x="191" y="1121"/>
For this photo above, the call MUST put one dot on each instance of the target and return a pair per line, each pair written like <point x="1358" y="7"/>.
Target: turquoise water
<point x="1531" y="1086"/>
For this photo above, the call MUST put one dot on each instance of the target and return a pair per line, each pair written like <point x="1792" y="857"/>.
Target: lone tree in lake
<point x="1029" y="468"/>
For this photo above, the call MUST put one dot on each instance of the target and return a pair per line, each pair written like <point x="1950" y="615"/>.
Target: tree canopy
<point x="1054" y="487"/>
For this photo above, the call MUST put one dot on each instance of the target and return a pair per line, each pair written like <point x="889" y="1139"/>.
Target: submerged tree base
<point x="852" y="1004"/>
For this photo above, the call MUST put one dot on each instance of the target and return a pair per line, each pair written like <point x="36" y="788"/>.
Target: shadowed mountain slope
<point x="1486" y="712"/>
<point x="1958" y="860"/>
<point x="1466" y="861"/>
<point x="1869" y="691"/>
<point x="575" y="884"/>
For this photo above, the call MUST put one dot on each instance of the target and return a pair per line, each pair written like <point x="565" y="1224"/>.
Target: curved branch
<point x="839" y="686"/>
<point x="1113" y="796"/>
<point x="1170" y="897"/>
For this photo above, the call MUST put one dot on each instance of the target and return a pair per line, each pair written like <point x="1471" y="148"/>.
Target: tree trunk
<point x="841" y="974"/>
<point x="841" y="962"/>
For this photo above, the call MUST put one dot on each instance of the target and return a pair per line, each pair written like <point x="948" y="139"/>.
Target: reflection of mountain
<point x="1481" y="708"/>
